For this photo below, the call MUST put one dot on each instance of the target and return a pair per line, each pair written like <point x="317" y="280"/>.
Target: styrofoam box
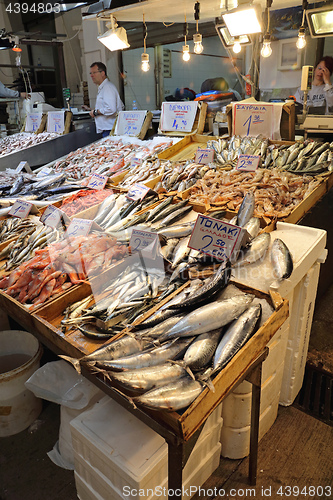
<point x="236" y="441"/>
<point x="237" y="413"/>
<point x="307" y="246"/>
<point x="93" y="486"/>
<point x="122" y="447"/>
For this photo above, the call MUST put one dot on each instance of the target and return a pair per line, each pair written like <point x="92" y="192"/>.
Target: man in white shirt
<point x="108" y="102"/>
<point x="4" y="92"/>
<point x="321" y="93"/>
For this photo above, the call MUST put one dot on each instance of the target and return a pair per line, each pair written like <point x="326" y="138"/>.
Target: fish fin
<point x="129" y="399"/>
<point x="182" y="363"/>
<point x="75" y="362"/>
<point x="205" y="379"/>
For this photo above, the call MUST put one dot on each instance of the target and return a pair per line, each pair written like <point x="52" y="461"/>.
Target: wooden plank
<point x="172" y="150"/>
<point x="302" y="208"/>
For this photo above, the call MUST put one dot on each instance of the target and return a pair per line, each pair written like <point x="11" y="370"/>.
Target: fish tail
<point x="75" y="362"/>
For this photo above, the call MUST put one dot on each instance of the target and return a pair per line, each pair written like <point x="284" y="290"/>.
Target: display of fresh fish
<point x="201" y="351"/>
<point x="255" y="251"/>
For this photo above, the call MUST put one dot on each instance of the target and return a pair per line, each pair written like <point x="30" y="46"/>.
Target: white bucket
<point x="20" y="354"/>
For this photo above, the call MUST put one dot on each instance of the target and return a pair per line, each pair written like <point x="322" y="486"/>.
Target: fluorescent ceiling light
<point x="320" y="22"/>
<point x="242" y="21"/>
<point x="228" y="40"/>
<point x="114" y="39"/>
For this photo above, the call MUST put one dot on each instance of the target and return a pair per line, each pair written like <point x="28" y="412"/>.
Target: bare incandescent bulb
<point x="186" y="52"/>
<point x="266" y="49"/>
<point x="198" y="47"/>
<point x="237" y="46"/>
<point x="145" y="62"/>
<point x="301" y="40"/>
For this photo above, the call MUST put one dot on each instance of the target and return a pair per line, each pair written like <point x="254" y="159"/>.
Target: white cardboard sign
<point x="253" y="119"/>
<point x="214" y="237"/>
<point x="130" y="122"/>
<point x="32" y="122"/>
<point x="178" y="116"/>
<point x="248" y="163"/>
<point x="144" y="241"/>
<point x="56" y="121"/>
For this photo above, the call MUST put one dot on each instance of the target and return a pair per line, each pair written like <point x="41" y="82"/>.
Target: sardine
<point x="281" y="259"/>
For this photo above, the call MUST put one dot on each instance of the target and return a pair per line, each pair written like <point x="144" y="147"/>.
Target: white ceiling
<point x="170" y="11"/>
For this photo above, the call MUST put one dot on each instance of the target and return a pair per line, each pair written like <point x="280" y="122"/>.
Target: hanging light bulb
<point x="144" y="56"/>
<point x="197" y="37"/>
<point x="266" y="49"/>
<point x="186" y="48"/>
<point x="198" y="48"/>
<point x="236" y="46"/>
<point x="145" y="62"/>
<point x="301" y="40"/>
<point x="186" y="52"/>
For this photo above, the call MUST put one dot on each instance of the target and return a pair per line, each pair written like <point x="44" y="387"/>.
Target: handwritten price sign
<point x="56" y="121"/>
<point x="130" y="122"/>
<point x="53" y="217"/>
<point x="32" y="122"/>
<point x="248" y="163"/>
<point x="204" y="156"/>
<point x="144" y="241"/>
<point x="214" y="237"/>
<point x="97" y="181"/>
<point x="20" y="209"/>
<point x="79" y="227"/>
<point x="178" y="116"/>
<point x="137" y="192"/>
<point x="253" y="119"/>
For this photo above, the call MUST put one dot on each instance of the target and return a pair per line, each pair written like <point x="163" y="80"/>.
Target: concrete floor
<point x="297" y="450"/>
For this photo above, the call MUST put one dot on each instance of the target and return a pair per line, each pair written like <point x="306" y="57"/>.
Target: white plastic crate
<point x="307" y="246"/>
<point x="92" y="486"/>
<point x="125" y="450"/>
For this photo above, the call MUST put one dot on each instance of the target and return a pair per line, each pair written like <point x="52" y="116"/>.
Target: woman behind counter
<point x="321" y="93"/>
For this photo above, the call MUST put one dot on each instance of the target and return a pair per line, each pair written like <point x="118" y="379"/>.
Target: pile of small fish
<point x="32" y="187"/>
<point x="306" y="157"/>
<point x="105" y="157"/>
<point x="144" y="171"/>
<point x="181" y="176"/>
<point x="276" y="193"/>
<point x="23" y="140"/>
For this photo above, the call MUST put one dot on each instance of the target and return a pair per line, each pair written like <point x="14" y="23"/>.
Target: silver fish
<point x="209" y="317"/>
<point x="181" y="251"/>
<point x="246" y="209"/>
<point x="177" y="231"/>
<point x="253" y="227"/>
<point x="202" y="349"/>
<point x="150" y="377"/>
<point x="281" y="259"/>
<point x="256" y="250"/>
<point x="173" y="396"/>
<point x="150" y="357"/>
<point x="236" y="335"/>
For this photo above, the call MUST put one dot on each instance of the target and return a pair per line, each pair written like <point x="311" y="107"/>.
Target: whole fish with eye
<point x="255" y="251"/>
<point x="281" y="259"/>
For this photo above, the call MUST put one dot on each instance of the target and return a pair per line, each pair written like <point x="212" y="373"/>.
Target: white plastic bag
<point x="60" y="383"/>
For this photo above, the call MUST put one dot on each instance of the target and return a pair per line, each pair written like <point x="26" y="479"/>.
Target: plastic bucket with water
<point x="20" y="354"/>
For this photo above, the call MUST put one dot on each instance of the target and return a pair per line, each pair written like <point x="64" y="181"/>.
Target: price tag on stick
<point x="214" y="237"/>
<point x="53" y="217"/>
<point x="204" y="156"/>
<point x="79" y="227"/>
<point x="138" y="192"/>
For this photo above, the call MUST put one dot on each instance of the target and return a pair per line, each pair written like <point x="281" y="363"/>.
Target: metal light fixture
<point x="186" y="48"/>
<point x="301" y="40"/>
<point x="266" y="49"/>
<point x="16" y="47"/>
<point x="228" y="40"/>
<point x="144" y="56"/>
<point x="320" y="21"/>
<point x="115" y="38"/>
<point x="197" y="37"/>
<point x="243" y="21"/>
<point x="237" y="46"/>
